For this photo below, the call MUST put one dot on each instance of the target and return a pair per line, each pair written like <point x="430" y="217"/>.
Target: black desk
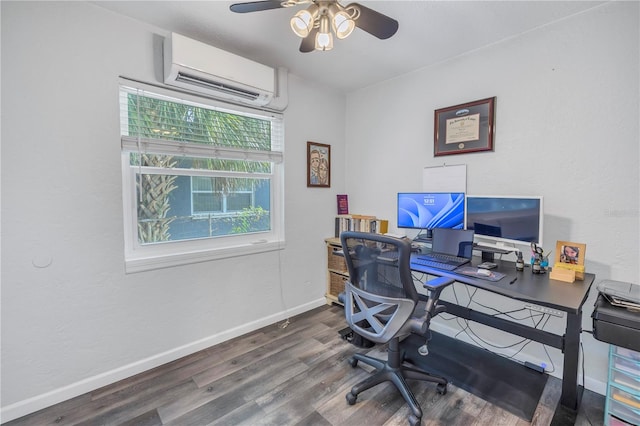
<point x="540" y="290"/>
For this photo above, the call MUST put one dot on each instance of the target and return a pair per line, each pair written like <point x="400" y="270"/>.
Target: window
<point x="206" y="198"/>
<point x="201" y="180"/>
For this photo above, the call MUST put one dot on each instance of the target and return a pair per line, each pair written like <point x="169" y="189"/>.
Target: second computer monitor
<point x="428" y="210"/>
<point x="513" y="220"/>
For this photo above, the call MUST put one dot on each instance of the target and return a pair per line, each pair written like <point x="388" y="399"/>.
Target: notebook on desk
<point x="450" y="249"/>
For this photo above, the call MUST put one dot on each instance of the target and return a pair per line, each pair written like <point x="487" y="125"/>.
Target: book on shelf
<point x="382" y="226"/>
<point x="343" y="204"/>
<point x="360" y="223"/>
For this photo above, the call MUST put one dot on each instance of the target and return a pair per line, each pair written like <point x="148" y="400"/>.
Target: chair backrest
<point x="380" y="294"/>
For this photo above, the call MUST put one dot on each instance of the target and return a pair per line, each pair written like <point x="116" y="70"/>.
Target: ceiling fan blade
<point x="375" y="23"/>
<point x="309" y="42"/>
<point x="256" y="6"/>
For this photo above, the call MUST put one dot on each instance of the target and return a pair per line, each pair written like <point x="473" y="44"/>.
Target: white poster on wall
<point x="445" y="178"/>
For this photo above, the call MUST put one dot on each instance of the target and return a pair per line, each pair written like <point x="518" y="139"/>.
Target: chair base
<point x="396" y="373"/>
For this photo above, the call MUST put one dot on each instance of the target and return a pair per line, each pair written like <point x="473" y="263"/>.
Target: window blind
<point x="153" y="122"/>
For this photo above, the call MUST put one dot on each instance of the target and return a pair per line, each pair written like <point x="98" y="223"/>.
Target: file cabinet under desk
<point x="622" y="406"/>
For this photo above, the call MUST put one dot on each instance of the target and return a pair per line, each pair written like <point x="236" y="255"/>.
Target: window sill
<point x="135" y="264"/>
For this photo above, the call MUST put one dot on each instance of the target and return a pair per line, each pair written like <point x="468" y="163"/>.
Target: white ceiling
<point x="429" y="32"/>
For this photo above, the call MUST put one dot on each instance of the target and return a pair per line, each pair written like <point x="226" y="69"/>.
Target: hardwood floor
<point x="293" y="375"/>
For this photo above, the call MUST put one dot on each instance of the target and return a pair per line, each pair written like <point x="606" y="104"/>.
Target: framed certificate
<point x="464" y="128"/>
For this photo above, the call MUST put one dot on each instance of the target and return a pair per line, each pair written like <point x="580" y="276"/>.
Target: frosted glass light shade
<point x="302" y="23"/>
<point x="342" y="24"/>
<point x="324" y="39"/>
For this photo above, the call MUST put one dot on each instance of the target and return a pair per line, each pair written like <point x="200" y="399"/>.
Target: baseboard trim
<point x="36" y="403"/>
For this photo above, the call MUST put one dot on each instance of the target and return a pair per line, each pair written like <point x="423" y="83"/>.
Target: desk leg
<point x="567" y="409"/>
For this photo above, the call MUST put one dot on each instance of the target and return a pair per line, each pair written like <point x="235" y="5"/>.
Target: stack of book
<point x="361" y="223"/>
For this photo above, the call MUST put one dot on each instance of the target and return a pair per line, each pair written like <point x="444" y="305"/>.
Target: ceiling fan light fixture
<point x="302" y="22"/>
<point x="343" y="26"/>
<point x="341" y="22"/>
<point x="324" y="38"/>
<point x="323" y="19"/>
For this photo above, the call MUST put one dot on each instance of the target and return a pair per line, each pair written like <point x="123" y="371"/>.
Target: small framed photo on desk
<point x="570" y="256"/>
<point x="571" y="253"/>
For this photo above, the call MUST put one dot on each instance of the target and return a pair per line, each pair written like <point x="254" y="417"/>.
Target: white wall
<point x="566" y="128"/>
<point x="81" y="322"/>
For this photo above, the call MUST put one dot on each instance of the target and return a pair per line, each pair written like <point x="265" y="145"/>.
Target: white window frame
<point x="147" y="257"/>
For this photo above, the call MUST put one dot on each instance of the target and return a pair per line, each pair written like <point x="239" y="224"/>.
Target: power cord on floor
<point x="586" y="415"/>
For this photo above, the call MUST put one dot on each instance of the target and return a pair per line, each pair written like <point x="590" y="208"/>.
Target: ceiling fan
<point x="323" y="18"/>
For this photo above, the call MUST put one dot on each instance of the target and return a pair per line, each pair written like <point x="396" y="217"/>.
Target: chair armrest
<point x="438" y="283"/>
<point x="435" y="287"/>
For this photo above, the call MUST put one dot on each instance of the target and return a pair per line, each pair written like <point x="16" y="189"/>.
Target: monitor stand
<point x="488" y="253"/>
<point x="425" y="236"/>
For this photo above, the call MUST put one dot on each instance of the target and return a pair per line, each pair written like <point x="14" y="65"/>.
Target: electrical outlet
<point x="545" y="310"/>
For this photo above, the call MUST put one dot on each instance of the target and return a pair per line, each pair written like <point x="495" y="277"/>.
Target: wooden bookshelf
<point x="337" y="272"/>
<point x="361" y="223"/>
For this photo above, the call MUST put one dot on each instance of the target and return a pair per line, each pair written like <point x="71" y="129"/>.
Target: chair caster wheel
<point x="353" y="362"/>
<point x="414" y="421"/>
<point x="351" y="398"/>
<point x="441" y="389"/>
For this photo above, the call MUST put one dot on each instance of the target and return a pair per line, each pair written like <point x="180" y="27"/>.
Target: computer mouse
<point x="484" y="272"/>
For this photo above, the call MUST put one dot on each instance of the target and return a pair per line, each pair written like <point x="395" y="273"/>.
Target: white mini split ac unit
<point x="205" y="69"/>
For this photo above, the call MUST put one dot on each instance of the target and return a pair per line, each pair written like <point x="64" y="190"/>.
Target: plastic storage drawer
<point x="625" y="412"/>
<point x="622" y="405"/>
<point x="614" y="421"/>
<point x="625" y="380"/>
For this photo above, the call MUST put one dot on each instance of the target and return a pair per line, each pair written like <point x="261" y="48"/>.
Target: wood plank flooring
<point x="293" y="375"/>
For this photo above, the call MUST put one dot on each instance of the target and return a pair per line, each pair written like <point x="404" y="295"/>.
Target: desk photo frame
<point x="464" y="128"/>
<point x="570" y="257"/>
<point x="571" y="253"/>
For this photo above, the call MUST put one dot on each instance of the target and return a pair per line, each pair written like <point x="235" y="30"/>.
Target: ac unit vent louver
<point x="211" y="85"/>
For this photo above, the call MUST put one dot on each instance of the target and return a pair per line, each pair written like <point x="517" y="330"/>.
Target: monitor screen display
<point x="499" y="218"/>
<point x="428" y="210"/>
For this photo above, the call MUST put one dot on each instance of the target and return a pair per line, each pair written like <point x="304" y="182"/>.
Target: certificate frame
<point x="464" y="128"/>
<point x="318" y="175"/>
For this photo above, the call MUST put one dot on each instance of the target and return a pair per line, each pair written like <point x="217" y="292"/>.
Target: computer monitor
<point x="428" y="210"/>
<point x="506" y="221"/>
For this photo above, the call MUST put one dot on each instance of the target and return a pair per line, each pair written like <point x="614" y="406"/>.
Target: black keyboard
<point x="440" y="257"/>
<point x="434" y="264"/>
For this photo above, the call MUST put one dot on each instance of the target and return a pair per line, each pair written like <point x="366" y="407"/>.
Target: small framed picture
<point x="464" y="128"/>
<point x="570" y="253"/>
<point x="318" y="165"/>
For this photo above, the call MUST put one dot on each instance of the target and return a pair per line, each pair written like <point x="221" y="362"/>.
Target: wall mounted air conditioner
<point x="205" y="69"/>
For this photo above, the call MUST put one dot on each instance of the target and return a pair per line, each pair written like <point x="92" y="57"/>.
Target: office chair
<point x="381" y="304"/>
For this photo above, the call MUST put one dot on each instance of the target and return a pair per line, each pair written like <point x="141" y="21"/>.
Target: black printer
<point x="615" y="317"/>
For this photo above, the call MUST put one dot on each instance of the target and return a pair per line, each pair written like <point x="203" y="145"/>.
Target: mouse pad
<point x="472" y="271"/>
